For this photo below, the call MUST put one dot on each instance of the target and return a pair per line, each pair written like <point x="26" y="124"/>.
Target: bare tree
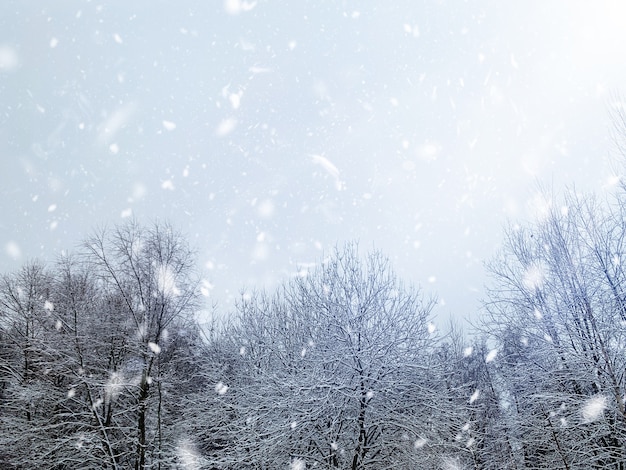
<point x="556" y="310"/>
<point x="91" y="350"/>
<point x="323" y="368"/>
<point x="149" y="273"/>
<point x="26" y="406"/>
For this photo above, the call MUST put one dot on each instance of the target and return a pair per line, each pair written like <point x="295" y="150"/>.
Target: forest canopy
<point x="105" y="364"/>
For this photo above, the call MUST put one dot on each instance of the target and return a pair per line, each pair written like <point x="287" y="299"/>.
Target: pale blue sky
<point x="270" y="131"/>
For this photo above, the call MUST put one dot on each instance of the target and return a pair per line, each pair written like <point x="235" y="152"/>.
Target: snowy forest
<point x="247" y="234"/>
<point x="104" y="363"/>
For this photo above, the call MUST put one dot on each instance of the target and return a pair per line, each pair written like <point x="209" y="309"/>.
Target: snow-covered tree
<point x="95" y="352"/>
<point x="149" y="273"/>
<point x="323" y="369"/>
<point x="556" y="308"/>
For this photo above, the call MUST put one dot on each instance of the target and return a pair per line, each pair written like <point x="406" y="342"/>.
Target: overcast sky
<point x="270" y="131"/>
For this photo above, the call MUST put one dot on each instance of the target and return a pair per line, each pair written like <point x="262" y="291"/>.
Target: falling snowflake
<point x="8" y="58"/>
<point x="429" y="151"/>
<point x="330" y="168"/>
<point x="113" y="387"/>
<point x="474" y="396"/>
<point x="226" y="127"/>
<point x="450" y="463"/>
<point x="166" y="281"/>
<point x="297" y="464"/>
<point x="593" y="408"/>
<point x="206" y="287"/>
<point x="534" y="276"/>
<point x="419" y="443"/>
<point x="13" y="250"/>
<point x="221" y="388"/>
<point x="234" y="7"/>
<point x="235" y="99"/>
<point x="169" y="125"/>
<point x="413" y="30"/>
<point x="491" y="355"/>
<point x="188" y="455"/>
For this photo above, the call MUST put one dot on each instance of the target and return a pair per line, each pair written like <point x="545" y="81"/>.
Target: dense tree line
<point x="94" y="351"/>
<point x="103" y="363"/>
